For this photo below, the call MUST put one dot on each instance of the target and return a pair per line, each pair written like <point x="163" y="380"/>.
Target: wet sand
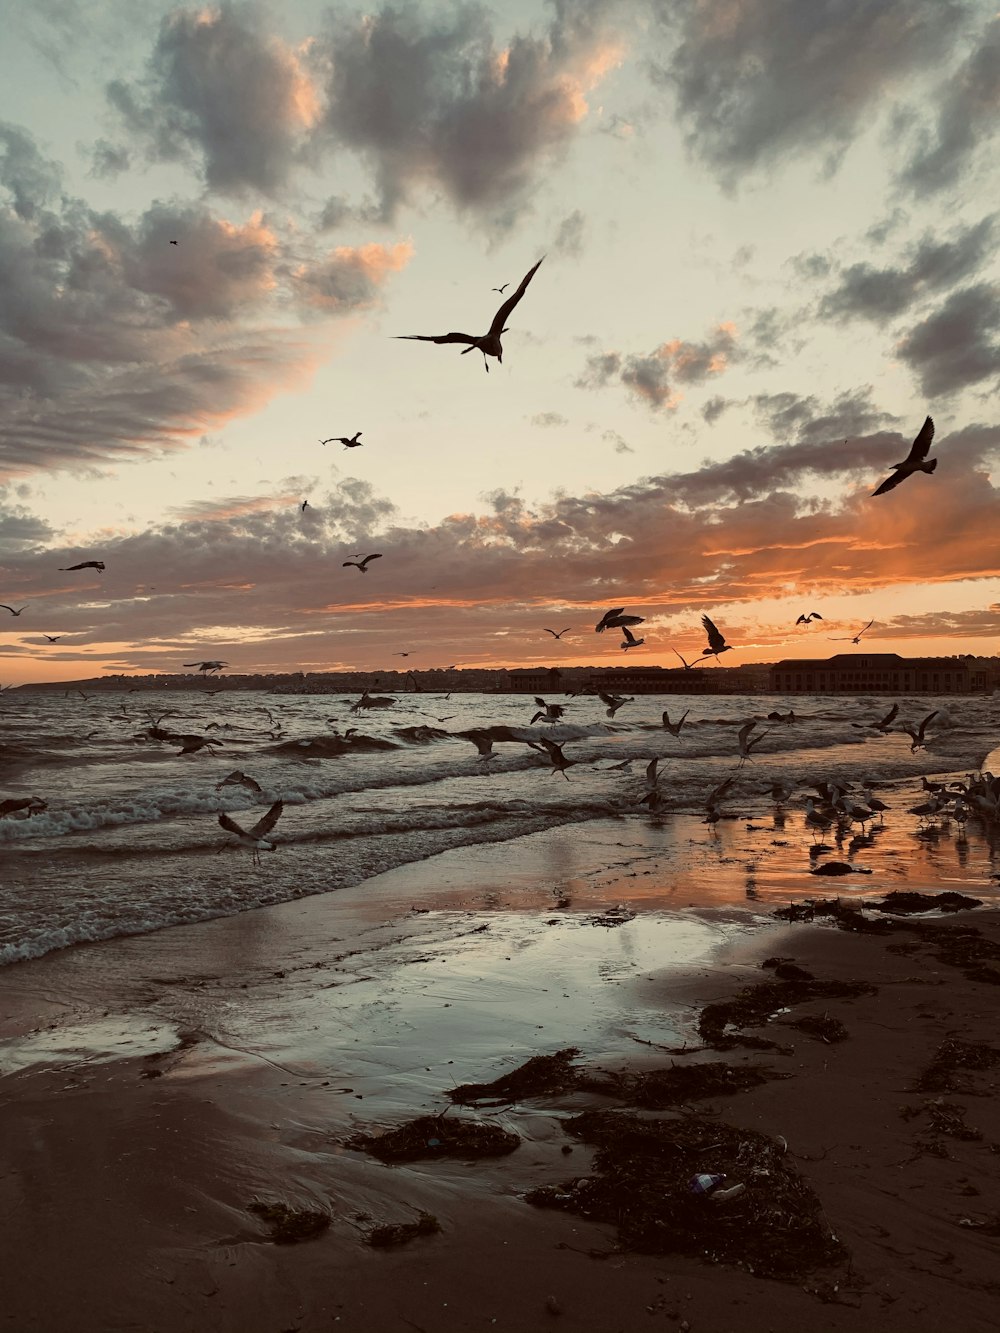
<point x="153" y="1088"/>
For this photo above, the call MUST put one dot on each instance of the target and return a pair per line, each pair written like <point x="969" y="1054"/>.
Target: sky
<point x="769" y="233"/>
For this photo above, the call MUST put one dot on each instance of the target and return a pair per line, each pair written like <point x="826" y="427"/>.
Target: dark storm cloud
<point x="113" y="342"/>
<point x="958" y="345"/>
<point x="19" y="528"/>
<point x="881" y="294"/>
<point x="787" y="415"/>
<point x="756" y="80"/>
<point x="968" y="116"/>
<point x="220" y="91"/>
<point x="654" y="378"/>
<point x="466" y="117"/>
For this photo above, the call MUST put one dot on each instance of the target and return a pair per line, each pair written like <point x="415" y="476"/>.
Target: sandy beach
<point x="164" y="1097"/>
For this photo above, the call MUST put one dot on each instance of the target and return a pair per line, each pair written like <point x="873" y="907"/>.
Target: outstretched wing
<point x="264" y="826"/>
<point x="439" y="337"/>
<point x="629" y="636"/>
<point x="715" y="639"/>
<point x="890" y="483"/>
<point x="370" y="557"/>
<point x="890" y="716"/>
<point x="651" y="772"/>
<point x="613" y="614"/>
<point x="929" y="718"/>
<point x="921" y="446"/>
<point x="745" y="731"/>
<point x="867" y="627"/>
<point x="720" y="791"/>
<point x="231" y="826"/>
<point x="496" y="328"/>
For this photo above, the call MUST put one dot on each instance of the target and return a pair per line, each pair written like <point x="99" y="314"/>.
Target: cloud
<point x="880" y="295"/>
<point x="547" y="419"/>
<point x="755" y="82"/>
<point x="968" y="115"/>
<point x="253" y="580"/>
<point x="349" y="279"/>
<point x="807" y="420"/>
<point x="621" y="444"/>
<point x="224" y="94"/>
<point x="114" y="342"/>
<point x="652" y="378"/>
<point x="468" y="118"/>
<point x="569" y="236"/>
<point x="958" y="345"/>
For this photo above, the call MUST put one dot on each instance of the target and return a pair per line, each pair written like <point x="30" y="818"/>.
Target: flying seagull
<point x="488" y="343"/>
<point x="172" y="242"/>
<point x="745" y="743"/>
<point x="561" y="632"/>
<point x="916" y="734"/>
<point x="257" y="838"/>
<point x="849" y="638"/>
<point x="630" y="640"/>
<point x="361" y="564"/>
<point x="613" y="701"/>
<point x="884" y="725"/>
<point x="549" y="713"/>
<point x="616" y="619"/>
<point x="353" y="443"/>
<point x="239" y="779"/>
<point x="688" y="666"/>
<point x="11" y="609"/>
<point x="303" y="506"/>
<point x="554" y="753"/>
<point x="716" y="641"/>
<point x="674" y="727"/>
<point x="52" y="638"/>
<point x="207" y="666"/>
<point x="84" y="564"/>
<point x="915" y="461"/>
<point x="805" y="620"/>
<point x="502" y="289"/>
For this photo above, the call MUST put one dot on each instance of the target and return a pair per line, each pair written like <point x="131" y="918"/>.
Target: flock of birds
<point x="836" y="804"/>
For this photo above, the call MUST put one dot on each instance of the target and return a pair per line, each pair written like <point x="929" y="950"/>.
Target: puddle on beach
<point x="116" y="1037"/>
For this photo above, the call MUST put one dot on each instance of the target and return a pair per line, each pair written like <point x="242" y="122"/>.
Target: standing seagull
<point x="716" y="641"/>
<point x="361" y="564"/>
<point x="488" y="343"/>
<point x="353" y="443"/>
<point x="84" y="564"/>
<point x="915" y="461"/>
<point x="257" y="838"/>
<point x="11" y="609"/>
<point x="855" y="638"/>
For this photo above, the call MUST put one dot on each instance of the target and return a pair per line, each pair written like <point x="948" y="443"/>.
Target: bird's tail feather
<point x="932" y="465"/>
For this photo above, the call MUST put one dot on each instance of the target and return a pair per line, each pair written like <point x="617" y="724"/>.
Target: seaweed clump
<point x="287" y="1225"/>
<point x="432" y="1136"/>
<point x="952" y="1063"/>
<point x="539" y="1076"/>
<point x="754" y="1005"/>
<point x="642" y="1181"/>
<point x="822" y="1027"/>
<point x="399" y="1233"/>
<point x="660" y="1088"/>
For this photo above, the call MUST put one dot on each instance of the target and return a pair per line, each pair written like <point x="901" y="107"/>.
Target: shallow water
<point x="130" y="838"/>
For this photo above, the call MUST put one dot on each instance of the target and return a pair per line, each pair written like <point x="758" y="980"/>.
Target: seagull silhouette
<point x="688" y="666"/>
<point x="502" y="289"/>
<point x="52" y="638"/>
<point x="361" y="564"/>
<point x="630" y="640"/>
<point x="716" y="641"/>
<point x="207" y="666"/>
<point x="848" y="638"/>
<point x="915" y="461"/>
<point x="616" y="619"/>
<point x="303" y="506"/>
<point x="257" y="837"/>
<point x="884" y="725"/>
<point x="488" y="343"/>
<point x="172" y="242"/>
<point x="84" y="564"/>
<point x="561" y="632"/>
<point x="916" y="734"/>
<point x="353" y="443"/>
<point x="11" y="609"/>
<point x="805" y="620"/>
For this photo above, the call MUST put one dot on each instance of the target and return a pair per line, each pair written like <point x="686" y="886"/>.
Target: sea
<point x="130" y="842"/>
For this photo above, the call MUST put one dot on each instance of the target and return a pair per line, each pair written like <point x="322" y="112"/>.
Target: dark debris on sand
<point x="399" y="1233"/>
<point x="952" y="1065"/>
<point x="653" y="1089"/>
<point x="431" y="1136"/>
<point x="822" y="1027"/>
<point x="721" y="1024"/>
<point x="946" y="1118"/>
<point x="641" y="1177"/>
<point x="290" y="1225"/>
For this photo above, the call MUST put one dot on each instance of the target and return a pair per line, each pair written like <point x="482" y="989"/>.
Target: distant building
<point x="876" y="673"/>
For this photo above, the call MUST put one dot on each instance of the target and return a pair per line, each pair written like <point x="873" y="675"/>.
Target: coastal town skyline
<point x="769" y="253"/>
